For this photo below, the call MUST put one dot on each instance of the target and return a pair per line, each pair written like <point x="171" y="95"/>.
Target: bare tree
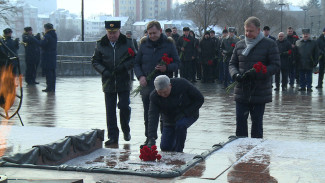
<point x="8" y="10"/>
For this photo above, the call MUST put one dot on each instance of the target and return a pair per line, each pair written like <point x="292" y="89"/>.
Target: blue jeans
<point x="173" y="137"/>
<point x="305" y="77"/>
<point x="242" y="112"/>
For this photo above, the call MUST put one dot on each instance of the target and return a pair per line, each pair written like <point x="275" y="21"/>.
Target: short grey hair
<point x="253" y="21"/>
<point x="161" y="82"/>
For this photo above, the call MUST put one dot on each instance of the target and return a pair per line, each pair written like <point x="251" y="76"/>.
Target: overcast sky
<point x="106" y="6"/>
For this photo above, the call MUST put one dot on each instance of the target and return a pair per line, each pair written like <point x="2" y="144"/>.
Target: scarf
<point x="251" y="43"/>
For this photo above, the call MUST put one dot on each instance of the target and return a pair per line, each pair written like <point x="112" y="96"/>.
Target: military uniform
<point x="107" y="60"/>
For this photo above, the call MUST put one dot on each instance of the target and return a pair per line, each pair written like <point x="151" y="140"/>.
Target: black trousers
<point x="285" y="76"/>
<point x="321" y="72"/>
<point x="30" y="75"/>
<point x="256" y="111"/>
<point x="50" y="75"/>
<point x="145" y="96"/>
<point x="125" y="113"/>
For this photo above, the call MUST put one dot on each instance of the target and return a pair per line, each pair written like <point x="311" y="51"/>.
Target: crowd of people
<point x="167" y="65"/>
<point x="38" y="49"/>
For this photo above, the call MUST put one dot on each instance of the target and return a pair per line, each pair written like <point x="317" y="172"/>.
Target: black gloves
<point x="250" y="74"/>
<point x="151" y="142"/>
<point x="238" y="77"/>
<point x="38" y="36"/>
<point x="106" y="74"/>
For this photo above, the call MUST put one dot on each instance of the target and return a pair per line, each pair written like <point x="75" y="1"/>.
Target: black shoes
<point x="127" y="137"/>
<point x="111" y="142"/>
<point x="276" y="89"/>
<point x="144" y="144"/>
<point x="302" y="89"/>
<point x="309" y="90"/>
<point x="319" y="86"/>
<point x="47" y="90"/>
<point x="36" y="82"/>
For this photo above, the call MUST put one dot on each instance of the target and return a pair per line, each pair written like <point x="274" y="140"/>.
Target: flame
<point x="8" y="88"/>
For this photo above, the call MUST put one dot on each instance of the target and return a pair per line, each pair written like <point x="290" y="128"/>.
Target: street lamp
<point x="281" y="4"/>
<point x="82" y="21"/>
<point x="311" y="24"/>
<point x="305" y="10"/>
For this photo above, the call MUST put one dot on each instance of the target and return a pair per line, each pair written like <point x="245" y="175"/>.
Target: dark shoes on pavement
<point x="127" y="137"/>
<point x="47" y="90"/>
<point x="309" y="90"/>
<point x="144" y="144"/>
<point x="277" y="89"/>
<point x="111" y="142"/>
<point x="302" y="89"/>
<point x="319" y="86"/>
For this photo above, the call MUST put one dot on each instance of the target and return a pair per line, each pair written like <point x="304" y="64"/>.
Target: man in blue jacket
<point x="148" y="60"/>
<point x="48" y="57"/>
<point x="179" y="102"/>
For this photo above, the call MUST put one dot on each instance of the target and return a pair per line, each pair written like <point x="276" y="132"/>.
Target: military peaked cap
<point x="112" y="25"/>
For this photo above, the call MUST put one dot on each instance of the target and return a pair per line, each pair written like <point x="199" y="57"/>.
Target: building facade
<point x="141" y="9"/>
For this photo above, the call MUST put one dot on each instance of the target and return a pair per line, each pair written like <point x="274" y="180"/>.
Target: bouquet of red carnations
<point x="147" y="154"/>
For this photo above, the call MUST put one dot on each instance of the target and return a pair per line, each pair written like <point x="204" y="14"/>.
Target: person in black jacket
<point x="179" y="102"/>
<point x="266" y="32"/>
<point x="175" y="36"/>
<point x="113" y="60"/>
<point x="307" y="59"/>
<point x="293" y="71"/>
<point x="254" y="89"/>
<point x="187" y="53"/>
<point x="48" y="57"/>
<point x="285" y="51"/>
<point x="13" y="45"/>
<point x="32" y="54"/>
<point x="207" y="55"/>
<point x="148" y="60"/>
<point x="321" y="46"/>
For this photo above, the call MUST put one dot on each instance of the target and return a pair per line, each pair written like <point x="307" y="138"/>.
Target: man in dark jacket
<point x="175" y="36"/>
<point x="148" y="63"/>
<point x="187" y="54"/>
<point x="207" y="55"/>
<point x="307" y="59"/>
<point x="48" y="57"/>
<point x="197" y="66"/>
<point x="227" y="47"/>
<point x="32" y="55"/>
<point x="113" y="58"/>
<point x="179" y="102"/>
<point x="13" y="45"/>
<point x="217" y="53"/>
<point x="321" y="46"/>
<point x="135" y="43"/>
<point x="285" y="51"/>
<point x="293" y="73"/>
<point x="254" y="89"/>
<point x="266" y="32"/>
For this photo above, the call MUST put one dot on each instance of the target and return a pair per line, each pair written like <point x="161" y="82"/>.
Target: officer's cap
<point x="305" y="31"/>
<point x="186" y="29"/>
<point x="112" y="25"/>
<point x="48" y="26"/>
<point x="27" y="29"/>
<point x="7" y="31"/>
<point x="168" y="30"/>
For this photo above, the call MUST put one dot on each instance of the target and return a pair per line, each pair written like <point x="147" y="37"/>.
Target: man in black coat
<point x="179" y="102"/>
<point x="48" y="57"/>
<point x="113" y="59"/>
<point x="254" y="89"/>
<point x="175" y="36"/>
<point x="284" y="47"/>
<point x="32" y="55"/>
<point x="13" y="45"/>
<point x="293" y="73"/>
<point x="135" y="44"/>
<point x="266" y="32"/>
<point x="307" y="59"/>
<point x="187" y="54"/>
<point x="207" y="56"/>
<point x="321" y="46"/>
<point x="148" y="60"/>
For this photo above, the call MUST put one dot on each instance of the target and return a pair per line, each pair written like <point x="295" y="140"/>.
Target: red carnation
<point x="295" y="36"/>
<point x="131" y="52"/>
<point x="186" y="39"/>
<point x="147" y="154"/>
<point x="233" y="45"/>
<point x="210" y="62"/>
<point x="158" y="157"/>
<point x="289" y="52"/>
